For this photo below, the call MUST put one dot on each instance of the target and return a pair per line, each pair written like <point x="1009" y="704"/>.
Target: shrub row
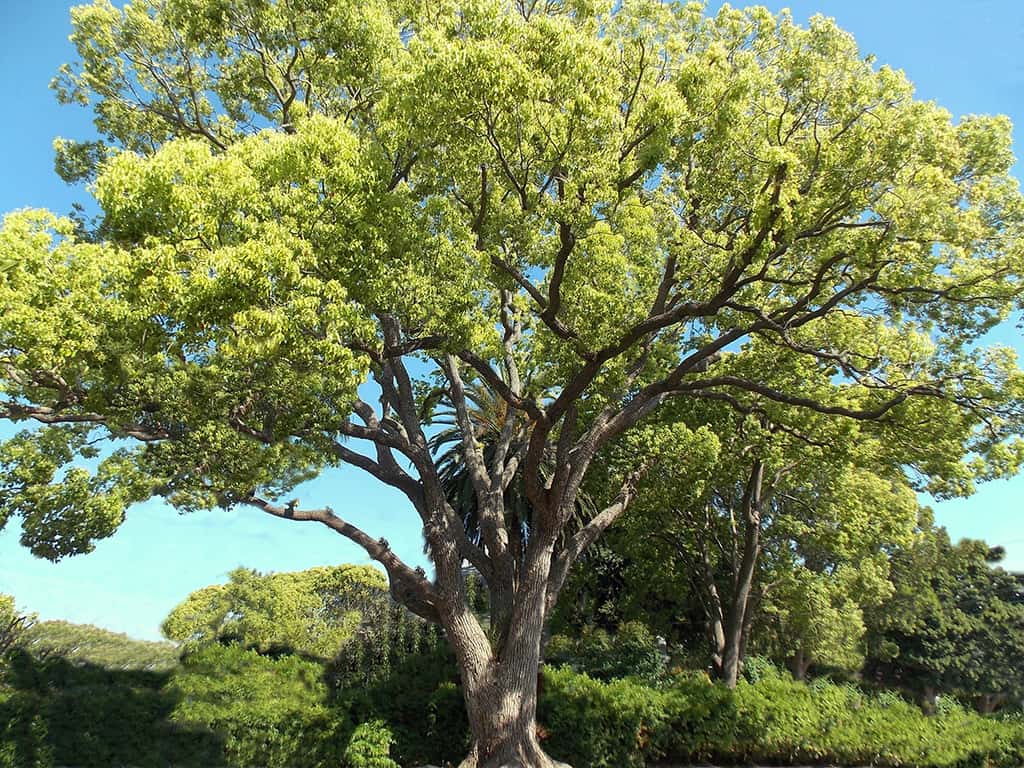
<point x="226" y="706"/>
<point x="775" y="721"/>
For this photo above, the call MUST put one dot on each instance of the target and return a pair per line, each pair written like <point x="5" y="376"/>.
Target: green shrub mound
<point x="774" y="720"/>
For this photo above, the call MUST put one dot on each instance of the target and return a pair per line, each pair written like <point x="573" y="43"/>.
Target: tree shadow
<point x="55" y="712"/>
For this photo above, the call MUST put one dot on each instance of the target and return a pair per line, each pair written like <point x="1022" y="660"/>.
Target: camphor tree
<point x="313" y="212"/>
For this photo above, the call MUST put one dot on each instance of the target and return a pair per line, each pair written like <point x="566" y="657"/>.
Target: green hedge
<point x="775" y="720"/>
<point x="225" y="706"/>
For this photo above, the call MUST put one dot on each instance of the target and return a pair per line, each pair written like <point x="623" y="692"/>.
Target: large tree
<point x="314" y="212"/>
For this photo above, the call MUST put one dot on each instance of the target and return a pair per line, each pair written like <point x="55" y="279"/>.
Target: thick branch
<point x="408" y="586"/>
<point x="590" y="532"/>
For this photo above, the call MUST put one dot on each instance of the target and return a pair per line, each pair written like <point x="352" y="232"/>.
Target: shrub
<point x="775" y="720"/>
<point x="602" y="725"/>
<point x="370" y="747"/>
<point x="56" y="712"/>
<point x="632" y="651"/>
<point x="270" y="712"/>
<point x="416" y="693"/>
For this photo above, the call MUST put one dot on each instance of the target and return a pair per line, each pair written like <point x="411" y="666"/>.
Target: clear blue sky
<point x="963" y="54"/>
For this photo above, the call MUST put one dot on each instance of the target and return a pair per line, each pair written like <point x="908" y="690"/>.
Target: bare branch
<point x="407" y="586"/>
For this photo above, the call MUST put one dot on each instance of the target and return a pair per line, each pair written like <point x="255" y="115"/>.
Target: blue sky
<point x="962" y="54"/>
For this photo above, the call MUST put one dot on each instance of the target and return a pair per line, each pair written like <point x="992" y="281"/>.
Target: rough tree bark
<point x="500" y="685"/>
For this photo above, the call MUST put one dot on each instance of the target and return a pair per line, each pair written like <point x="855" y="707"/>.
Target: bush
<point x="776" y="721"/>
<point x="416" y="693"/>
<point x="271" y="712"/>
<point x="632" y="651"/>
<point x="56" y="712"/>
<point x="370" y="747"/>
<point x="602" y="725"/>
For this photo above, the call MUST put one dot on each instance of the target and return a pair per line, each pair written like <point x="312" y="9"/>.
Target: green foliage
<point x="617" y="204"/>
<point x="83" y="643"/>
<point x="276" y="180"/>
<point x="631" y="651"/>
<point x="412" y="685"/>
<point x="774" y="721"/>
<point x="57" y="712"/>
<point x="597" y="724"/>
<point x="370" y="747"/>
<point x="954" y="624"/>
<point x="224" y="706"/>
<point x="233" y="707"/>
<point x="269" y="712"/>
<point x="13" y="625"/>
<point x="313" y="611"/>
<point x="256" y="659"/>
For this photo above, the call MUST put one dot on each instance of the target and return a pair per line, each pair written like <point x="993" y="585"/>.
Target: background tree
<point x="955" y="623"/>
<point x="86" y="644"/>
<point x="829" y="563"/>
<point x="634" y="202"/>
<point x="778" y="524"/>
<point x="13" y="624"/>
<point x="313" y="611"/>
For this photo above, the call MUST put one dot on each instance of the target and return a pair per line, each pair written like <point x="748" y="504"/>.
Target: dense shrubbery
<point x="417" y="695"/>
<point x="223" y="706"/>
<point x="632" y="651"/>
<point x="229" y="706"/>
<point x="774" y="720"/>
<point x="390" y="698"/>
<point x="270" y="712"/>
<point x="80" y="714"/>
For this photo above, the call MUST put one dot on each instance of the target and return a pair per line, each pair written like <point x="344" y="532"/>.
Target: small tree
<point x="314" y="213"/>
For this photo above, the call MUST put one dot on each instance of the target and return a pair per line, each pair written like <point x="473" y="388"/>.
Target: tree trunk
<point x="500" y="685"/>
<point x="744" y="578"/>
<point x="799" y="664"/>
<point x="990" y="702"/>
<point x="502" y="715"/>
<point x="713" y="610"/>
<point x="929" y="697"/>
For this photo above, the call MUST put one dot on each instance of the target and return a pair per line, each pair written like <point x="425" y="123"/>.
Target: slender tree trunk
<point x="799" y="664"/>
<point x="716" y="619"/>
<point x="929" y="696"/>
<point x="744" y="578"/>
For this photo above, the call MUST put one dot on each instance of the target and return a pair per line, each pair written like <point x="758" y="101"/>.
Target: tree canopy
<point x="313" y="611"/>
<point x="955" y="622"/>
<point x="315" y="213"/>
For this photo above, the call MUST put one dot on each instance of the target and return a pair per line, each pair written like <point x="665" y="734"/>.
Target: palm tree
<point x="489" y="414"/>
